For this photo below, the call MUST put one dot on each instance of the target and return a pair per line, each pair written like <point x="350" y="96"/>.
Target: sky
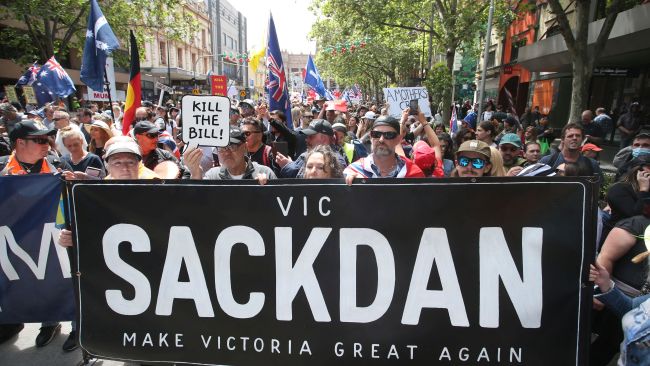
<point x="293" y="21"/>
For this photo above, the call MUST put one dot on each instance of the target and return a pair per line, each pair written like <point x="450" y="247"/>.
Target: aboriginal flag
<point x="134" y="91"/>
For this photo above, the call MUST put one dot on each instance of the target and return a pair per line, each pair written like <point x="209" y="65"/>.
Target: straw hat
<point x="99" y="124"/>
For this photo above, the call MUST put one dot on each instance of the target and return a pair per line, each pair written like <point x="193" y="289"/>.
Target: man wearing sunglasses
<point x="383" y="162"/>
<point x="30" y="141"/>
<point x="258" y="152"/>
<point x="473" y="159"/>
<point x="234" y="162"/>
<point x="159" y="160"/>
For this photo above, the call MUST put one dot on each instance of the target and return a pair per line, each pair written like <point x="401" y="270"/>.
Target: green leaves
<point x="57" y="27"/>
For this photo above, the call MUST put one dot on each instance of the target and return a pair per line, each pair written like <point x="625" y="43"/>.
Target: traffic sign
<point x="242" y="93"/>
<point x="196" y="91"/>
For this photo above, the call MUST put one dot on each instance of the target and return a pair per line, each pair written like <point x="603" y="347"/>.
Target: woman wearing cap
<point x="100" y="132"/>
<point x="85" y="165"/>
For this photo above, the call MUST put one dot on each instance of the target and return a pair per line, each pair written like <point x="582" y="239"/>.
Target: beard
<point x="382" y="150"/>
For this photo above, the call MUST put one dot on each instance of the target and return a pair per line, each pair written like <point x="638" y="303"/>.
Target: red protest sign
<point x="219" y="84"/>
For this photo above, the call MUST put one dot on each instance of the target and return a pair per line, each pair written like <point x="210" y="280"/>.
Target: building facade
<point x="182" y="64"/>
<point x="229" y="35"/>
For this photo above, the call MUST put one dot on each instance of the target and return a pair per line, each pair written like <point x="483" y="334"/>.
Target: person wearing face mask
<point x="640" y="147"/>
<point x="626" y="197"/>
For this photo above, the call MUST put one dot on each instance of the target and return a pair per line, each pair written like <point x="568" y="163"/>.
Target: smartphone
<point x="414" y="108"/>
<point x="281" y="147"/>
<point x="93" y="172"/>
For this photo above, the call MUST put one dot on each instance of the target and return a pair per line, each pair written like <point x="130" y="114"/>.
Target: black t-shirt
<point x="630" y="273"/>
<point x="91" y="160"/>
<point x="593" y="129"/>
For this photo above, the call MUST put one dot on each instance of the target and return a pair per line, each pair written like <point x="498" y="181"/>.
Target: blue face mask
<point x="640" y="151"/>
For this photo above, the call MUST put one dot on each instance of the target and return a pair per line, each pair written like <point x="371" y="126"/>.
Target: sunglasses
<point x="152" y="135"/>
<point x="248" y="133"/>
<point x="388" y="135"/>
<point x="40" y="140"/>
<point x="477" y="163"/>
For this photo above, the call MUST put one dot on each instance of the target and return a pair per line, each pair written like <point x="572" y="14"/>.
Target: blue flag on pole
<point x="277" y="79"/>
<point x="313" y="79"/>
<point x="55" y="79"/>
<point x="29" y="77"/>
<point x="100" y="42"/>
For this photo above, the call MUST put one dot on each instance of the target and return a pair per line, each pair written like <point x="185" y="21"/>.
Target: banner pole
<point x="108" y="89"/>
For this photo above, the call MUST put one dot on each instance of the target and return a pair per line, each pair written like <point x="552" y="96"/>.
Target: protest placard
<point x="398" y="100"/>
<point x="35" y="280"/>
<point x="304" y="277"/>
<point x="205" y="120"/>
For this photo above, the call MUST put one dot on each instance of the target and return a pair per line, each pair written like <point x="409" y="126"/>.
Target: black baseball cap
<point x="387" y="121"/>
<point x="236" y="136"/>
<point x="318" y="126"/>
<point x="28" y="128"/>
<point x="145" y="127"/>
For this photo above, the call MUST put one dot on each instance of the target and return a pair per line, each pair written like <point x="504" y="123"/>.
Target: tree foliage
<point x="396" y="28"/>
<point x="55" y="27"/>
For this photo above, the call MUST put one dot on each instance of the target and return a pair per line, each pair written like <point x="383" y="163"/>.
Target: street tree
<point x="43" y="28"/>
<point x="583" y="56"/>
<point x="448" y="23"/>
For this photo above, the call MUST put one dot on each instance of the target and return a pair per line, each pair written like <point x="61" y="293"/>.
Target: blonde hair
<point x="68" y="132"/>
<point x="498" y="170"/>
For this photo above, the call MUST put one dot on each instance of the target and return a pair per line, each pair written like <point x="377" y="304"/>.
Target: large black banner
<point x="424" y="272"/>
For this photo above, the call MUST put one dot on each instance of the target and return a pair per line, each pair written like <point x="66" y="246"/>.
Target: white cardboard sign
<point x="398" y="100"/>
<point x="205" y="120"/>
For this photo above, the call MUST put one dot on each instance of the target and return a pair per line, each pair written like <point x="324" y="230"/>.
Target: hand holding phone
<point x="414" y="108"/>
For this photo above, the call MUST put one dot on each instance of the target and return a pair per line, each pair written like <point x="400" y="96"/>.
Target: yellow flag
<point x="256" y="57"/>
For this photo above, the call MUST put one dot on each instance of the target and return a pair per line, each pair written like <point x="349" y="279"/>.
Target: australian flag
<point x="100" y="42"/>
<point x="277" y="79"/>
<point x="313" y="79"/>
<point x="29" y="77"/>
<point x="52" y="76"/>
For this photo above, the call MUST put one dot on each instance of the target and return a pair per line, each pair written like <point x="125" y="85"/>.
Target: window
<point x="194" y="62"/>
<point x="514" y="48"/>
<point x="179" y="60"/>
<point x="203" y="45"/>
<point x="225" y="39"/>
<point x="163" y="53"/>
<point x="491" y="58"/>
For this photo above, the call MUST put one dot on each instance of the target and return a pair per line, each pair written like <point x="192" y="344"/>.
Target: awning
<point x="627" y="45"/>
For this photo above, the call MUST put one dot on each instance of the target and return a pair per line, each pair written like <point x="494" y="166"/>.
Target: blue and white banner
<point x="35" y="281"/>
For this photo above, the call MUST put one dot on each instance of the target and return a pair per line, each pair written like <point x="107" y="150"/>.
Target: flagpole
<point x="108" y="89"/>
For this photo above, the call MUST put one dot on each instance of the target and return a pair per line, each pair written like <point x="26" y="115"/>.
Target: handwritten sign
<point x="10" y="92"/>
<point x="29" y="94"/>
<point x="398" y="100"/>
<point x="205" y="120"/>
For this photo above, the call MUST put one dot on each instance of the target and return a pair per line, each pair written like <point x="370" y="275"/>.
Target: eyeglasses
<point x="119" y="164"/>
<point x="229" y="148"/>
<point x="248" y="133"/>
<point x="477" y="163"/>
<point x="388" y="135"/>
<point x="40" y="140"/>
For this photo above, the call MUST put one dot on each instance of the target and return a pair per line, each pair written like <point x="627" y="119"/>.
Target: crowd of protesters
<point x="326" y="140"/>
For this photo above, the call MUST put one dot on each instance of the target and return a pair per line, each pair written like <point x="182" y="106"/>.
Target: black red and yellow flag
<point x="134" y="91"/>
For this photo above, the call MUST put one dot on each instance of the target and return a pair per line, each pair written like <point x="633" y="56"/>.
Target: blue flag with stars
<point x="54" y="77"/>
<point x="100" y="42"/>
<point x="313" y="79"/>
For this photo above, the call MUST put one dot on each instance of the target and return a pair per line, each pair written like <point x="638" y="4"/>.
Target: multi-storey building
<point x="181" y="64"/>
<point x="229" y="36"/>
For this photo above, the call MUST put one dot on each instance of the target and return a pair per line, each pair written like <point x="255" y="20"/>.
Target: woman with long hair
<point x="626" y="197"/>
<point x="100" y="132"/>
<point x="321" y="163"/>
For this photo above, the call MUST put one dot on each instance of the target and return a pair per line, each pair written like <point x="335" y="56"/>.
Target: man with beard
<point x="383" y="162"/>
<point x="572" y="135"/>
